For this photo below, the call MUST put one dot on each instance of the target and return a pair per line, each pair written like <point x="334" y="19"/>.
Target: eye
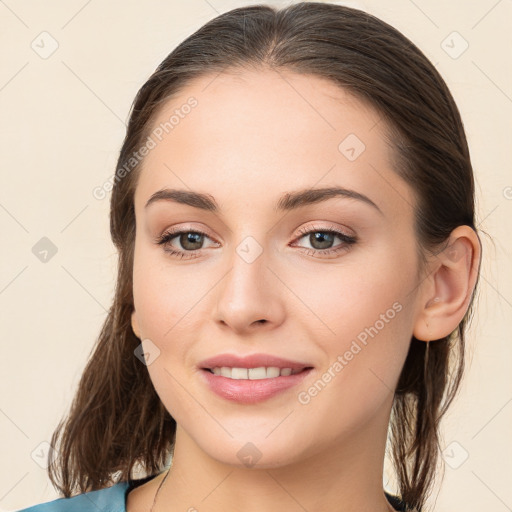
<point x="322" y="240"/>
<point x="190" y="240"/>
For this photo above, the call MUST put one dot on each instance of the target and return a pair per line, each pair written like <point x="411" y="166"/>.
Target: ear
<point x="448" y="289"/>
<point x="135" y="324"/>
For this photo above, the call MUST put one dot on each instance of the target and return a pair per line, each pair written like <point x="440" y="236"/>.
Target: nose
<point x="250" y="296"/>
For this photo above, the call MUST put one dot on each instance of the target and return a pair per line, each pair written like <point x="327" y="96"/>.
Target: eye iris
<point x="193" y="238"/>
<point x="323" y="237"/>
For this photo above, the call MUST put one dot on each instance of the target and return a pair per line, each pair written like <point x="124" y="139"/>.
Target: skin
<point x="253" y="137"/>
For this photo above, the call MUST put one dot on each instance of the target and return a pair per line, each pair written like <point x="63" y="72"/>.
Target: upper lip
<point x="251" y="361"/>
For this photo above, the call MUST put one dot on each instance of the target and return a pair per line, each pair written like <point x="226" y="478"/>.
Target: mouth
<point x="257" y="373"/>
<point x="253" y="378"/>
<point x="252" y="366"/>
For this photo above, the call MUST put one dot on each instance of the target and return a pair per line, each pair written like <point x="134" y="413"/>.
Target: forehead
<point x="265" y="131"/>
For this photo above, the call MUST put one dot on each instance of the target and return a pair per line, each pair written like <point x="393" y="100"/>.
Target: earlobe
<point x="135" y="324"/>
<point x="450" y="286"/>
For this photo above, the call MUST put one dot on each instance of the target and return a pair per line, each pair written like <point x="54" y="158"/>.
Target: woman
<point x="293" y="208"/>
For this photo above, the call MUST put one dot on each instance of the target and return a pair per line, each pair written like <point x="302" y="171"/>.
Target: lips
<point x="246" y="390"/>
<point x="252" y="361"/>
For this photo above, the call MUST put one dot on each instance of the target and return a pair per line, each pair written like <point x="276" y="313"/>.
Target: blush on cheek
<point x="378" y="342"/>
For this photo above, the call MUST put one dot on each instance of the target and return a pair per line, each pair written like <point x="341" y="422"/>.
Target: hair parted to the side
<point x="116" y="420"/>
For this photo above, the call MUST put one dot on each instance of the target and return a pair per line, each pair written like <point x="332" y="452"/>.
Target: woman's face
<point x="269" y="277"/>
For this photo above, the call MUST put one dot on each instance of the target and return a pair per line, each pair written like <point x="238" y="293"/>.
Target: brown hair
<point x="117" y="419"/>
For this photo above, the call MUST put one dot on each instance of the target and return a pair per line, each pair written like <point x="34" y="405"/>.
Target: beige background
<point x="62" y="123"/>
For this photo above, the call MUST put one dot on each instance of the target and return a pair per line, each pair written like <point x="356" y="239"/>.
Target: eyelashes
<point x="332" y="233"/>
<point x="166" y="238"/>
<point x="194" y="236"/>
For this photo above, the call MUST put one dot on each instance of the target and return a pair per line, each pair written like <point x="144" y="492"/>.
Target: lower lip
<point x="248" y="391"/>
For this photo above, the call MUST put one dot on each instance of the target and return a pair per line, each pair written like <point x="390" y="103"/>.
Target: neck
<point x="346" y="475"/>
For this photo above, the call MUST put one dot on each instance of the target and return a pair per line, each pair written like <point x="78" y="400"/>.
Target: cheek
<point x="170" y="302"/>
<point x="369" y="310"/>
<point x="358" y="382"/>
<point x="369" y="293"/>
<point x="163" y="302"/>
<point x="164" y="295"/>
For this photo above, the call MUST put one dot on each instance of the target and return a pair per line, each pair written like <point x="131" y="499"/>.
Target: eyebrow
<point x="289" y="201"/>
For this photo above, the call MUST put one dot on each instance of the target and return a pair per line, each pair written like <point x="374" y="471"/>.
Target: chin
<point x="255" y="452"/>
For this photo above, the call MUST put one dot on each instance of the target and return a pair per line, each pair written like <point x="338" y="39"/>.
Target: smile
<point x="262" y="372"/>
<point x="248" y="385"/>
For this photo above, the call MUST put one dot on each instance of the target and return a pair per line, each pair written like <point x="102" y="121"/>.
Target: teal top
<point x="113" y="499"/>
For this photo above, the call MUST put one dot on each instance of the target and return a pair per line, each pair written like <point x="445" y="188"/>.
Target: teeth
<point x="253" y="373"/>
<point x="272" y="371"/>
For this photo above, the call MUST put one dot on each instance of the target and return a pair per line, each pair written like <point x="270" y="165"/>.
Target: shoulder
<point x="111" y="499"/>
